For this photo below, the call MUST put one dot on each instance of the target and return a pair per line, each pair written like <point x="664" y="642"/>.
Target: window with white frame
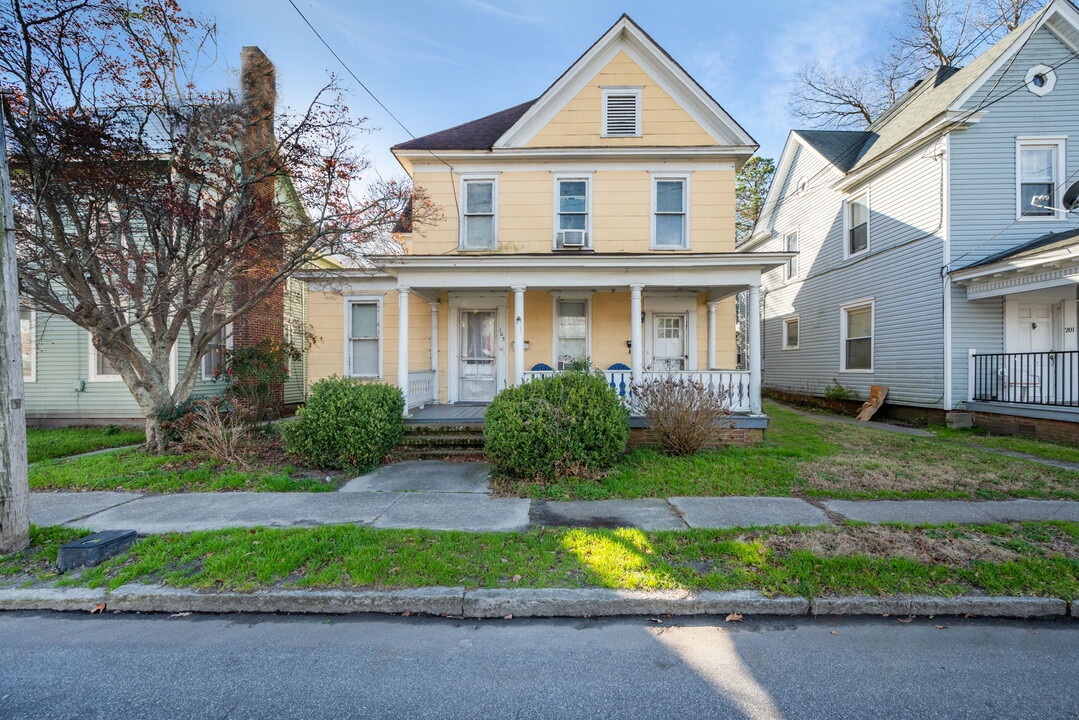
<point x="1039" y="166"/>
<point x="791" y="243"/>
<point x="215" y="351"/>
<point x="790" y="333"/>
<point x="571" y="332"/>
<point x="857" y="225"/>
<point x="670" y="229"/>
<point x="479" y="218"/>
<point x="857" y="337"/>
<point x="101" y="368"/>
<point x="364" y="339"/>
<point x="28" y="338"/>
<point x="621" y="112"/>
<point x="571" y="209"/>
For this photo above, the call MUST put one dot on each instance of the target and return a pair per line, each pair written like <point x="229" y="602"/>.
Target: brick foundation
<point x="734" y="436"/>
<point x="889" y="411"/>
<point x="1059" y="431"/>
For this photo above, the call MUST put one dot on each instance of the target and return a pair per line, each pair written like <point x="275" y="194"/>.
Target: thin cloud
<point x="503" y="12"/>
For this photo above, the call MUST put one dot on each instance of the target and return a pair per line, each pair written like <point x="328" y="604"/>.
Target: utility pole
<point x="14" y="488"/>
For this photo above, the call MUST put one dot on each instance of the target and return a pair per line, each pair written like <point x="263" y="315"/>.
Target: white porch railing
<point x="734" y="384"/>
<point x="421" y="387"/>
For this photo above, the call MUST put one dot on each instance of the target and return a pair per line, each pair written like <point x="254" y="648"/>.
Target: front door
<point x="476" y="366"/>
<point x="669" y="342"/>
<point x="1035" y="328"/>
<point x="1032" y="377"/>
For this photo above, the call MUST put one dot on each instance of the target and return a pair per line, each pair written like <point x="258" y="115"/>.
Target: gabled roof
<point x="513" y="127"/>
<point x="473" y="135"/>
<point x="841" y="148"/>
<point x="1052" y="241"/>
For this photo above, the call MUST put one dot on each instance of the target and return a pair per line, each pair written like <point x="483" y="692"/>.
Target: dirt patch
<point x="932" y="546"/>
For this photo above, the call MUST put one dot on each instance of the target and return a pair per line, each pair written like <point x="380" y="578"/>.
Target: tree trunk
<point x="14" y="489"/>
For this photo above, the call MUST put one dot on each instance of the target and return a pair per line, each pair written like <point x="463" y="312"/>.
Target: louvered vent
<point x="621" y="115"/>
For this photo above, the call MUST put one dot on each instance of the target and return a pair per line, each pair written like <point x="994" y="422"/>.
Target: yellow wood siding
<point x="621" y="211"/>
<point x="663" y="121"/>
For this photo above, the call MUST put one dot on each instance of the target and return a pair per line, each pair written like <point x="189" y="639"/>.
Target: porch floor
<point x="473" y="413"/>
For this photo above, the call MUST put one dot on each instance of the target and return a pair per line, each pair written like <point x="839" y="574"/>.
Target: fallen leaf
<point x="906" y="620"/>
<point x="665" y="615"/>
<point x="969" y="615"/>
<point x="406" y="613"/>
<point x="733" y="617"/>
<point x="180" y="614"/>
<point x="886" y="615"/>
<point x="941" y="627"/>
<point x="834" y="632"/>
<point x="98" y="608"/>
<point x="655" y="620"/>
<point x="507" y="617"/>
<point x="516" y="578"/>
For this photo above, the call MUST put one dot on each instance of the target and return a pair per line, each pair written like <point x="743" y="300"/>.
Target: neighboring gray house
<point x="68" y="382"/>
<point x="934" y="255"/>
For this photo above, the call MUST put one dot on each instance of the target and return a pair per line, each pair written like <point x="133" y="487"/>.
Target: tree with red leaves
<point x="147" y="208"/>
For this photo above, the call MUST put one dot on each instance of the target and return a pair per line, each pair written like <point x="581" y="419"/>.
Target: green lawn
<point x="1017" y="559"/>
<point x="808" y="456"/>
<point x="975" y="437"/>
<point x="61" y="442"/>
<point x="135" y="470"/>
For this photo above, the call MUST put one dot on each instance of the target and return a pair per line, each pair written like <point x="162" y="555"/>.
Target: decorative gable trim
<point x="626" y="36"/>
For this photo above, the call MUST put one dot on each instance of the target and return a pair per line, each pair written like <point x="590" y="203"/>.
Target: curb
<point x="524" y="602"/>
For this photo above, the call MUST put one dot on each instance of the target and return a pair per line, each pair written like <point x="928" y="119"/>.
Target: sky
<point x="438" y="63"/>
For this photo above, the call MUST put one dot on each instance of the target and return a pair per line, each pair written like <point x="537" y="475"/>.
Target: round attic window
<point x="1041" y="79"/>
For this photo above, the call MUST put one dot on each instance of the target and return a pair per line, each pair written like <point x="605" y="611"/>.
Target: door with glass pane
<point x="572" y="333"/>
<point x="477" y="370"/>
<point x="669" y="342"/>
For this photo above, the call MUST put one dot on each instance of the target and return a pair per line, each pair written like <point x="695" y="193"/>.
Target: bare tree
<point x="931" y="33"/>
<point x="148" y="209"/>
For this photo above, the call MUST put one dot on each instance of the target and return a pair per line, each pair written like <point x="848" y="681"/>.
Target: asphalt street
<point x="121" y="666"/>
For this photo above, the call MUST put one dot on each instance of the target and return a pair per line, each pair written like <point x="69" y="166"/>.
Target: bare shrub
<point x="684" y="415"/>
<point x="218" y="434"/>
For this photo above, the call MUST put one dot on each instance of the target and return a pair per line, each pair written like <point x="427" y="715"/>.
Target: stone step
<point x="443" y="429"/>
<point x="421" y="441"/>
<point x="435" y="453"/>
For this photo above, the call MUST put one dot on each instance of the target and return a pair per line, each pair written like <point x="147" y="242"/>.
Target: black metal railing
<point x="1036" y="378"/>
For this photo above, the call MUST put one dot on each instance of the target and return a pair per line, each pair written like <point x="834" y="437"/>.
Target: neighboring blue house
<point x="935" y="256"/>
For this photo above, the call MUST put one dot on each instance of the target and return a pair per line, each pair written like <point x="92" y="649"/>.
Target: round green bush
<point x="568" y="424"/>
<point x="346" y="424"/>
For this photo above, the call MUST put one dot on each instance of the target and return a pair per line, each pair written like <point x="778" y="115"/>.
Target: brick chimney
<point x="258" y="84"/>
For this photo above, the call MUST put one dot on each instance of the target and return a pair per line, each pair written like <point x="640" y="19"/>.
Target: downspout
<point x="946" y="283"/>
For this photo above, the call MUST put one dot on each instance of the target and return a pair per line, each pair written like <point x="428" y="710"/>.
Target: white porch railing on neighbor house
<point x="734" y="384"/>
<point x="421" y="387"/>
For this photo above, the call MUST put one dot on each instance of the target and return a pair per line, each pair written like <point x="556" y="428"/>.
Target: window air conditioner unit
<point x="572" y="238"/>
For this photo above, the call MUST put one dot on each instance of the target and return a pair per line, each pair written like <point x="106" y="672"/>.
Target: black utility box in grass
<point x="94" y="549"/>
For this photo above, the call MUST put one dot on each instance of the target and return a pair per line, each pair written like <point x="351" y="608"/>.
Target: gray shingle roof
<point x="474" y="135"/>
<point x="1052" y="241"/>
<point x="842" y="148"/>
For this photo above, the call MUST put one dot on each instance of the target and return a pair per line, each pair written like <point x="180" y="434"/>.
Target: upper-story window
<point x="479" y="216"/>
<point x="857" y="225"/>
<point x="791" y="242"/>
<point x="1039" y="166"/>
<point x="670" y="218"/>
<point x="621" y="112"/>
<point x="572" y="226"/>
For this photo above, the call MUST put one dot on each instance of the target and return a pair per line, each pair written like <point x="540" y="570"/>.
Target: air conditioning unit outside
<point x="572" y="238"/>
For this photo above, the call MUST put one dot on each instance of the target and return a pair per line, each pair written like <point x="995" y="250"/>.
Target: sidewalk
<point x="438" y="495"/>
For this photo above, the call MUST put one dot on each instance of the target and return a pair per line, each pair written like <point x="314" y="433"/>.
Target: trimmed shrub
<point x="568" y="424"/>
<point x="346" y="424"/>
<point x="684" y="415"/>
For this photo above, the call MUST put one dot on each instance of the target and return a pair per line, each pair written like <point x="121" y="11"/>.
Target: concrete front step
<point x="435" y="453"/>
<point x="443" y="429"/>
<point x="424" y="441"/>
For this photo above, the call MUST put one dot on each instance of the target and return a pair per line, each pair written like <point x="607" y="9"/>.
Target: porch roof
<point x="1049" y="261"/>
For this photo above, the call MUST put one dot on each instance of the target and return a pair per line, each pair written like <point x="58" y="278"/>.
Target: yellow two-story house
<point x="595" y="222"/>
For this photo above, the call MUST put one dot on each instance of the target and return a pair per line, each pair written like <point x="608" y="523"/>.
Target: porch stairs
<point x="430" y="441"/>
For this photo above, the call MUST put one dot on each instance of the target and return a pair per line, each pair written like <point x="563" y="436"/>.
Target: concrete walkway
<point x="440" y="495"/>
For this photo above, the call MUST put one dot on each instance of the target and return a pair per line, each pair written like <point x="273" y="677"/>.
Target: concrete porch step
<point x="443" y="440"/>
<point x="434" y="453"/>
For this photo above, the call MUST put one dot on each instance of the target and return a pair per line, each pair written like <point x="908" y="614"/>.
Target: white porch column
<point x="402" y="342"/>
<point x="753" y="329"/>
<point x="518" y="334"/>
<point x="434" y="348"/>
<point x="636" y="333"/>
<point x="712" y="335"/>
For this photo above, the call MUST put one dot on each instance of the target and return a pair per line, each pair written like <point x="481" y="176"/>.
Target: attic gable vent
<point x="621" y="112"/>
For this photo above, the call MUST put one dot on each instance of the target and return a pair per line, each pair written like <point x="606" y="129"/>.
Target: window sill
<point x="477" y="250"/>
<point x="1040" y="218"/>
<point x="854" y="256"/>
<point x="791" y="347"/>
<point x="858" y="372"/>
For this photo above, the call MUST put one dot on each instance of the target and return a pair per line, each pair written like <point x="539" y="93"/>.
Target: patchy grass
<point x="38" y="560"/>
<point x="807" y="456"/>
<point x="976" y="437"/>
<point x="1018" y="559"/>
<point x="135" y="470"/>
<point x="61" y="442"/>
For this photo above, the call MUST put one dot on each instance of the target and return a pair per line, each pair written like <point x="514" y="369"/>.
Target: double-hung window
<point x="364" y="339"/>
<point x="572" y="224"/>
<point x="790" y="333"/>
<point x="28" y="337"/>
<point x="571" y="333"/>
<point x="791" y="243"/>
<point x="215" y="351"/>
<point x="857" y="336"/>
<point x="857" y="225"/>
<point x="670" y="226"/>
<point x="479" y="218"/>
<point x="1039" y="166"/>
